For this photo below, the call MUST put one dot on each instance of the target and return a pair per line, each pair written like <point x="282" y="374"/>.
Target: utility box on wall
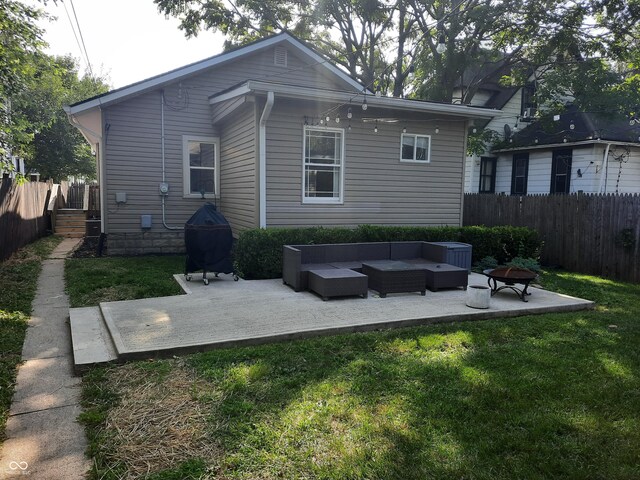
<point x="145" y="221"/>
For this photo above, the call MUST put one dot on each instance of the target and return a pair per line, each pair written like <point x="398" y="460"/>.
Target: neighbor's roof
<point x="197" y="67"/>
<point x="588" y="127"/>
<point x="291" y="91"/>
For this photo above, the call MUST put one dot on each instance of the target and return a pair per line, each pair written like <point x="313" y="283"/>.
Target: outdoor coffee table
<point x="338" y="282"/>
<point x="510" y="276"/>
<point x="443" y="275"/>
<point x="391" y="276"/>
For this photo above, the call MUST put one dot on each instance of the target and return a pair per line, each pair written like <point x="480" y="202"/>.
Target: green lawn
<point x="90" y="281"/>
<point x="548" y="396"/>
<point x="18" y="284"/>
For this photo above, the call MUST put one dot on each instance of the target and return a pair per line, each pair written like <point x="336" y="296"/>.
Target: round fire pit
<point x="510" y="276"/>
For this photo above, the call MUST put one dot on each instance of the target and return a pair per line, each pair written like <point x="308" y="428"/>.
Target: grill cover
<point x="208" y="241"/>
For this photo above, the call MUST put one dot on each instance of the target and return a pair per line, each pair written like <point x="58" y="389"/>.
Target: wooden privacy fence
<point x="23" y="214"/>
<point x="586" y="233"/>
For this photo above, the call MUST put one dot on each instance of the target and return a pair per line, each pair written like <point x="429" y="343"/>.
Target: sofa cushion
<point x="312" y="253"/>
<point x="373" y="251"/>
<point x="341" y="252"/>
<point x="405" y="250"/>
<point x="305" y="267"/>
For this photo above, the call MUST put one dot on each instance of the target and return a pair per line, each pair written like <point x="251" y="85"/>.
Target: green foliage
<point x="42" y="134"/>
<point x="13" y="327"/>
<point x="485" y="263"/>
<point x="480" y="142"/>
<point x="258" y="252"/>
<point x="18" y="277"/>
<point x="528" y="263"/>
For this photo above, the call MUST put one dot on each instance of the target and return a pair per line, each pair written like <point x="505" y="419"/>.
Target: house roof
<point x="290" y="91"/>
<point x="492" y="72"/>
<point x="197" y="67"/>
<point x="574" y="126"/>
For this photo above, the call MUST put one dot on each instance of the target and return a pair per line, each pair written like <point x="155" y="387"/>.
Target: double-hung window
<point x="561" y="171"/>
<point x="201" y="166"/>
<point x="520" y="174"/>
<point x="487" y="175"/>
<point x="323" y="165"/>
<point x="415" y="148"/>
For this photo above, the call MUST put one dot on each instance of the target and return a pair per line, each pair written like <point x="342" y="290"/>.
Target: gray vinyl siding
<point x="238" y="172"/>
<point x="133" y="144"/>
<point x="378" y="188"/>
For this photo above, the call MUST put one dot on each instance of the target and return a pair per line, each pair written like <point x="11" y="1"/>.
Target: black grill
<point x="208" y="241"/>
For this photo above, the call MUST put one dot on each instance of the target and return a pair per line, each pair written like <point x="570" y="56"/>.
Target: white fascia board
<point x="566" y="145"/>
<point x="194" y="68"/>
<point x="292" y="91"/>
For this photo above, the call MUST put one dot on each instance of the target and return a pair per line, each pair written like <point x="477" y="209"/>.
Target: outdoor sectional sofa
<point x="301" y="261"/>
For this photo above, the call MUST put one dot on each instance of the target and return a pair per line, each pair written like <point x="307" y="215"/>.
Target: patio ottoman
<point x="338" y="282"/>
<point x="443" y="275"/>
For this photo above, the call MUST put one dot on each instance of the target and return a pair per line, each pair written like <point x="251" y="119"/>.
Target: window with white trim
<point x="322" y="165"/>
<point x="415" y="148"/>
<point x="201" y="166"/>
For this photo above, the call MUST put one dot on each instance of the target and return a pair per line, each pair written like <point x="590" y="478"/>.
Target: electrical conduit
<point x="164" y="196"/>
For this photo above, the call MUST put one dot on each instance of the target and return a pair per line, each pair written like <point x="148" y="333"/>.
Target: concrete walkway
<point x="43" y="439"/>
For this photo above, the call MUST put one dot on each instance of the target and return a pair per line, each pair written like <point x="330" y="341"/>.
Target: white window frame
<point x="415" y="143"/>
<point x="323" y="200"/>
<point x="186" y="175"/>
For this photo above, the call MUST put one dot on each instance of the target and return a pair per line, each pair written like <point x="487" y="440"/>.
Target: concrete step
<point x="90" y="338"/>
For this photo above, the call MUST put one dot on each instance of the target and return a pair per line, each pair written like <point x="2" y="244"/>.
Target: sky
<point x="126" y="40"/>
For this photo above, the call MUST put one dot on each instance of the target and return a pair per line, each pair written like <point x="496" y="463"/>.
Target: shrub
<point x="258" y="252"/>
<point x="485" y="263"/>
<point x="528" y="263"/>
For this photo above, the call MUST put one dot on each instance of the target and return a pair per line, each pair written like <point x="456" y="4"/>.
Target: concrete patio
<point x="227" y="313"/>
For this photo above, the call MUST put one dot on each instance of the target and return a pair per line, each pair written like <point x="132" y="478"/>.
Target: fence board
<point x="581" y="232"/>
<point x="22" y="214"/>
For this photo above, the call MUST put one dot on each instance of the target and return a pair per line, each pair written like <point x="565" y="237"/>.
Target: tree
<point x="53" y="147"/>
<point x="20" y="39"/>
<point x="394" y="45"/>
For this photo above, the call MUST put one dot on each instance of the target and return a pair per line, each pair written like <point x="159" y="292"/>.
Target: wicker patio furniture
<point x="338" y="282"/>
<point x="443" y="275"/>
<point x="393" y="276"/>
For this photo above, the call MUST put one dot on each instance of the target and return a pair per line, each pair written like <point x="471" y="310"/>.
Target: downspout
<point x="163" y="196"/>
<point x="263" y="159"/>
<point x="464" y="166"/>
<point x="604" y="171"/>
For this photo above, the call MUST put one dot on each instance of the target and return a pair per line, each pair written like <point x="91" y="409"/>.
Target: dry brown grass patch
<point x="159" y="423"/>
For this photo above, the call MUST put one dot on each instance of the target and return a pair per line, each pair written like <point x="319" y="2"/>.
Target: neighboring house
<point x="545" y="153"/>
<point x="17" y="168"/>
<point x="276" y="136"/>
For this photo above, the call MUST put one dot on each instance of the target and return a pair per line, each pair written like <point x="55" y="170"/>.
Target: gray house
<point x="275" y="136"/>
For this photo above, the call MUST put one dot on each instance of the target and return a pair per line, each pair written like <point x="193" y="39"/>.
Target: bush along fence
<point x="585" y="233"/>
<point x="258" y="252"/>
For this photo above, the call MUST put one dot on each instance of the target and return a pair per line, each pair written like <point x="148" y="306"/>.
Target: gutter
<point x="564" y="145"/>
<point x="293" y="91"/>
<point x="263" y="159"/>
